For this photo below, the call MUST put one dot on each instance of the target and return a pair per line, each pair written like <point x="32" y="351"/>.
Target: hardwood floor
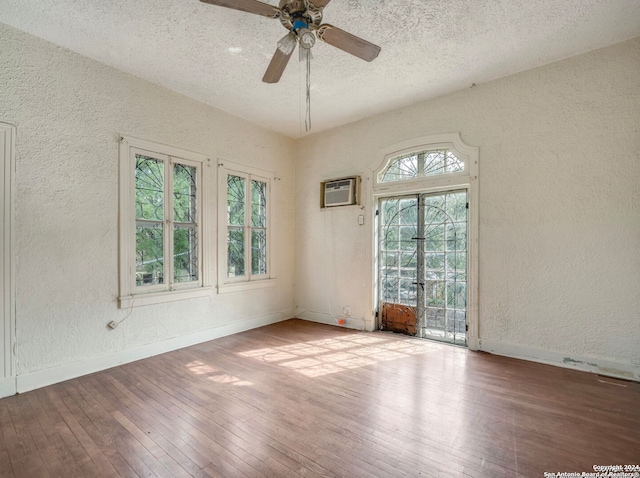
<point x="298" y="399"/>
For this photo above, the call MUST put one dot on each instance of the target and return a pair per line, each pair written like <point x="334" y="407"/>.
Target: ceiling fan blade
<point x="276" y="66"/>
<point x="347" y="42"/>
<point x="250" y="6"/>
<point x="319" y="3"/>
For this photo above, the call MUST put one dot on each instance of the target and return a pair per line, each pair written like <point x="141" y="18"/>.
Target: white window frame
<point x="248" y="281"/>
<point x="466" y="179"/>
<point x="131" y="294"/>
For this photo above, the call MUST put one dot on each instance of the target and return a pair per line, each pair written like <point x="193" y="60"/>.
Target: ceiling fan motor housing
<point x="295" y="12"/>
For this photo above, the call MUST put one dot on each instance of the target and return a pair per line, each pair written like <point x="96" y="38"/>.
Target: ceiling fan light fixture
<point x="287" y="43"/>
<point x="307" y="38"/>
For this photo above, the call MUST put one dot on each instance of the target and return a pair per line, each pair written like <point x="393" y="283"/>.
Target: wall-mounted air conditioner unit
<point x="340" y="192"/>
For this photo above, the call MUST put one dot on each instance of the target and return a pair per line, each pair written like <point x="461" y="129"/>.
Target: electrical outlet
<point x="113" y="324"/>
<point x="346" y="310"/>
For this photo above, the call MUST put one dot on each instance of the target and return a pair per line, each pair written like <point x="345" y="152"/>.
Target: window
<point x="244" y="231"/>
<point x="161" y="224"/>
<point x="420" y="164"/>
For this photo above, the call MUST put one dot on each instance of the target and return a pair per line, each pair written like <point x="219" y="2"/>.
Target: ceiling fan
<point x="303" y="19"/>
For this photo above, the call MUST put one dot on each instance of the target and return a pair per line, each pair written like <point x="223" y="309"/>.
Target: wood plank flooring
<point x="298" y="399"/>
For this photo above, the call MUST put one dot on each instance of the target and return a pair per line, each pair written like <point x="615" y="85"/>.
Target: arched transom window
<point x="415" y="165"/>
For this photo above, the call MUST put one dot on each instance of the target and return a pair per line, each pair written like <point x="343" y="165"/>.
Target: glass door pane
<point x="443" y="278"/>
<point x="397" y="264"/>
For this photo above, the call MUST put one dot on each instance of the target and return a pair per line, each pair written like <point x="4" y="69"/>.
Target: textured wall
<point x="559" y="205"/>
<point x="69" y="112"/>
<point x="559" y="208"/>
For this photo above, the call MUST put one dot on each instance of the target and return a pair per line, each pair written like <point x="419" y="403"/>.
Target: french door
<point x="422" y="265"/>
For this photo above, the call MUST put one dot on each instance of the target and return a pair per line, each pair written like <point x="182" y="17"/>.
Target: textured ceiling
<point x="429" y="48"/>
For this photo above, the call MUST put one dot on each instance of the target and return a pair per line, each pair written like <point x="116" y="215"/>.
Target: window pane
<point x="408" y="213"/>
<point x="456" y="295"/>
<point x="434" y="209"/>
<point x="235" y="252"/>
<point x="434" y="163"/>
<point x="389" y="289"/>
<point x="185" y="254"/>
<point x="235" y="200"/>
<point x="453" y="164"/>
<point x="391" y="272"/>
<point x="435" y="292"/>
<point x="184" y="193"/>
<point x="258" y="204"/>
<point x="421" y="164"/>
<point x="409" y="259"/>
<point x="390" y="238"/>
<point x="456" y="237"/>
<point x="389" y="259"/>
<point x="408" y="291"/>
<point x="390" y="210"/>
<point x="149" y="188"/>
<point x="434" y="262"/>
<point x="404" y="167"/>
<point x="441" y="162"/>
<point x="149" y="254"/>
<point x="434" y="238"/>
<point x="457" y="206"/>
<point x="457" y="264"/>
<point x="259" y="251"/>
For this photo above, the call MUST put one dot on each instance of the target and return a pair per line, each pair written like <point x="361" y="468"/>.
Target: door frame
<point x="468" y="179"/>
<point x="8" y="323"/>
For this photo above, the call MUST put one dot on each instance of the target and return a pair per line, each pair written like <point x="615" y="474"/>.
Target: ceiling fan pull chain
<point x="307" y="121"/>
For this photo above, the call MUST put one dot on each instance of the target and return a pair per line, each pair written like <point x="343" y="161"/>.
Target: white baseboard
<point x="597" y="365"/>
<point x="42" y="378"/>
<point x="356" y="323"/>
<point x="7" y="387"/>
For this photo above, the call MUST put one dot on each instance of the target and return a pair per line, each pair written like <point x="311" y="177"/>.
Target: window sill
<point x="242" y="286"/>
<point x="162" y="297"/>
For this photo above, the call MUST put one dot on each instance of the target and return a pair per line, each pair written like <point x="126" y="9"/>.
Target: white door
<point x="7" y="328"/>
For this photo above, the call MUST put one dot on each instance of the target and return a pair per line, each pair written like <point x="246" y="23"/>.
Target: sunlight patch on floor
<point x="321" y="357"/>
<point x="215" y="375"/>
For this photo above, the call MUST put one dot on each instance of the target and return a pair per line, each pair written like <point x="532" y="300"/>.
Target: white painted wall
<point x="69" y="112"/>
<point x="559" y="210"/>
